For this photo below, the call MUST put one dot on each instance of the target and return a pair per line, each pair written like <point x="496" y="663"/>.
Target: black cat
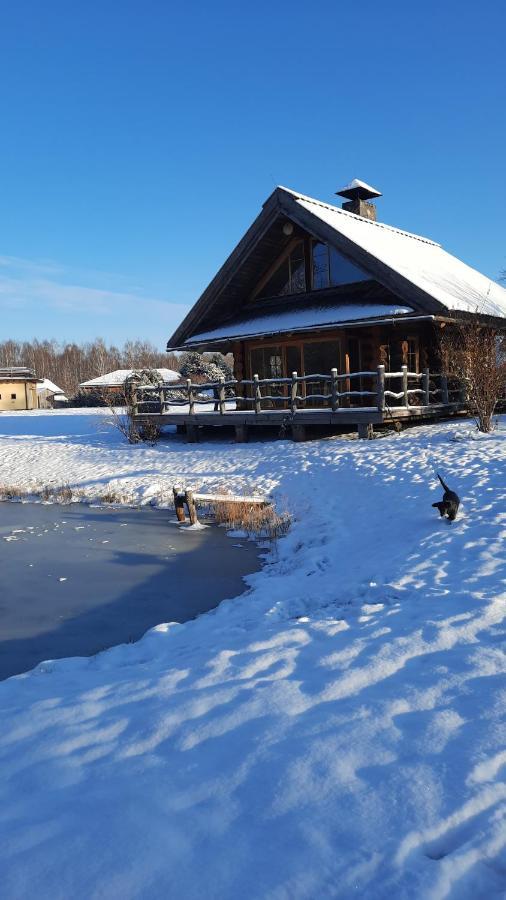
<point x="450" y="503"/>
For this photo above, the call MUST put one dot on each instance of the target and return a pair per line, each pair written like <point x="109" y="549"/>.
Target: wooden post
<point x="191" y="396"/>
<point x="462" y="392"/>
<point x="192" y="510"/>
<point x="221" y="395"/>
<point x="334" y="387"/>
<point x="380" y="388"/>
<point x="426" y="387"/>
<point x="444" y="389"/>
<point x="192" y="433"/>
<point x="257" y="395"/>
<point x="404" y="370"/>
<point x="179" y="505"/>
<point x="161" y="395"/>
<point x="363" y="430"/>
<point x="241" y="434"/>
<point x="293" y="392"/>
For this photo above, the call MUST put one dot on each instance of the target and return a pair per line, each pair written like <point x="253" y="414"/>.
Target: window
<point x="13" y="396"/>
<point x="328" y="268"/>
<point x="289" y="277"/>
<point x="321" y="356"/>
<point x="321" y="278"/>
<point x="331" y="268"/>
<point x="267" y="362"/>
<point x="412" y="355"/>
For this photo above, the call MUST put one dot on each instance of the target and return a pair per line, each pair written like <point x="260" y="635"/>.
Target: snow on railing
<point x="263" y="394"/>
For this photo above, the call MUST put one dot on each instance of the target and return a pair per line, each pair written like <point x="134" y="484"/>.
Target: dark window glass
<point x="320" y="266"/>
<point x="332" y="268"/>
<point x="289" y="277"/>
<point x="321" y="356"/>
<point x="267" y="362"/>
<point x="297" y="270"/>
<point x="412" y="361"/>
<point x="293" y="360"/>
<point x="278" y="282"/>
<point x="13" y="396"/>
<point x="342" y="271"/>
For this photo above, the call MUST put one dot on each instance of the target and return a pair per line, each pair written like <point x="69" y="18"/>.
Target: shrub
<point x="475" y="354"/>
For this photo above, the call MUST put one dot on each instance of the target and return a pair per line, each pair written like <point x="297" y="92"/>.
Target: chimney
<point x="358" y="193"/>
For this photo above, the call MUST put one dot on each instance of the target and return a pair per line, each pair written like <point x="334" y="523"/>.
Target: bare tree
<point x="69" y="364"/>
<point x="475" y="354"/>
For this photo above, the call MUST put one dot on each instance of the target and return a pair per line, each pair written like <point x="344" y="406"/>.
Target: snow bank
<point x="337" y="731"/>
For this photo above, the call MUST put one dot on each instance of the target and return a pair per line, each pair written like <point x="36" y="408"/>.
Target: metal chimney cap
<point x="358" y="190"/>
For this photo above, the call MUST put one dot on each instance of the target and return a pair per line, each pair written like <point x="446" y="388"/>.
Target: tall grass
<point x="255" y="519"/>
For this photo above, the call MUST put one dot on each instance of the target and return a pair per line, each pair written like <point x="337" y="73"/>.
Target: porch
<point x="352" y="400"/>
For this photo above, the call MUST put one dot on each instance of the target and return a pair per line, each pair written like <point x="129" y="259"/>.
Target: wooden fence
<point x="333" y="392"/>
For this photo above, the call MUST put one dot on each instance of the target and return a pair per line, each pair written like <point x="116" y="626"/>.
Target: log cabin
<point x="312" y="288"/>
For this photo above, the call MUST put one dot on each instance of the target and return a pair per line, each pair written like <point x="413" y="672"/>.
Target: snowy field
<point x="336" y="732"/>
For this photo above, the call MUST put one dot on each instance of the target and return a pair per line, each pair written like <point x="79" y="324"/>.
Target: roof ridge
<point x="345" y="212"/>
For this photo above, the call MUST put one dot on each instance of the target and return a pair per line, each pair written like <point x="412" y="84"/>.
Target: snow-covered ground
<point x="338" y="731"/>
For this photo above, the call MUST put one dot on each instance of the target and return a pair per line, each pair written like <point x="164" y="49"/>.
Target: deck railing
<point x="410" y="389"/>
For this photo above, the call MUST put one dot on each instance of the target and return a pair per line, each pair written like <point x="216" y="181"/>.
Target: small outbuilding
<point x="18" y="388"/>
<point x="49" y="395"/>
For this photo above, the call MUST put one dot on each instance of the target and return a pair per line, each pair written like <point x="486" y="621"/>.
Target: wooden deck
<point x="191" y="408"/>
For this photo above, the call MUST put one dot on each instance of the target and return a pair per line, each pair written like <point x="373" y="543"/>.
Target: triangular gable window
<point x="328" y="268"/>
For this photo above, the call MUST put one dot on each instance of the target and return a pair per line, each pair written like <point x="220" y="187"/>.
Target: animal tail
<point x="445" y="486"/>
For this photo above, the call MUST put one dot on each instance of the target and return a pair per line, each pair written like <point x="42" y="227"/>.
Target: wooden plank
<point x="232" y="498"/>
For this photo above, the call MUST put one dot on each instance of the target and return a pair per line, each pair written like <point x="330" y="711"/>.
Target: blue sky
<point x="139" y="140"/>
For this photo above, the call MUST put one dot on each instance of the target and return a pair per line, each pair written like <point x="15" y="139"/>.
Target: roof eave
<point x="354" y="323"/>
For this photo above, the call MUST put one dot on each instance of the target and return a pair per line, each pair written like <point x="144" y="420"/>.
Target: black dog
<point x="450" y="503"/>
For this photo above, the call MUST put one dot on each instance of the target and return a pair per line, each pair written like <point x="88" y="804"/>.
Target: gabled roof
<point x="49" y="386"/>
<point x="417" y="270"/>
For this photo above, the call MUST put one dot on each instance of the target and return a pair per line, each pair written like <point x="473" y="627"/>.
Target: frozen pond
<point x="77" y="579"/>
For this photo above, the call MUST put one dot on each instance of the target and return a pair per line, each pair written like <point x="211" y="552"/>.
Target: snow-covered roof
<point x="423" y="262"/>
<point x="119" y="376"/>
<point x="300" y="319"/>
<point x="17" y="373"/>
<point x="47" y="385"/>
